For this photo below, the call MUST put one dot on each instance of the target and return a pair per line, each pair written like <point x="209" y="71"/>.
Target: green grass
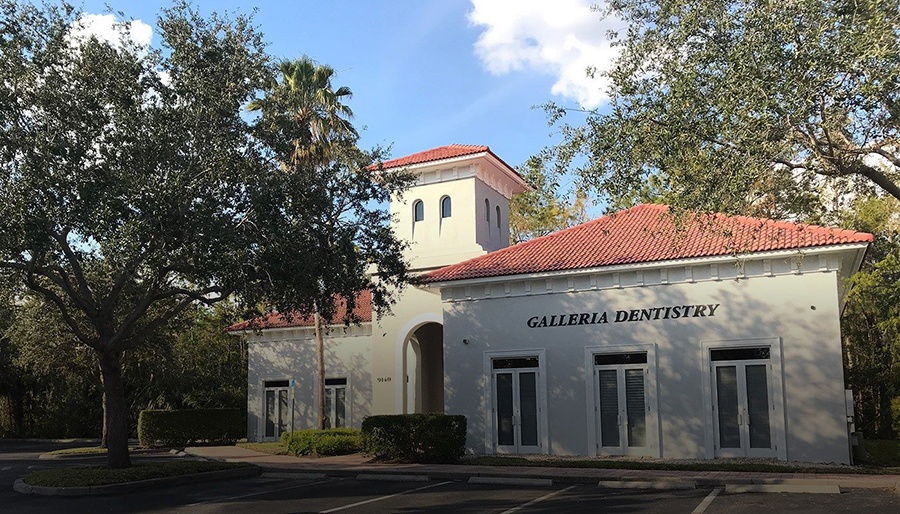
<point x="88" y="450"/>
<point x="92" y="476"/>
<point x="882" y="452"/>
<point x="762" y="467"/>
<point x="275" y="448"/>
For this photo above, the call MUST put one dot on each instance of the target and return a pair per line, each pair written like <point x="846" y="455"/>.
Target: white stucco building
<point x="619" y="336"/>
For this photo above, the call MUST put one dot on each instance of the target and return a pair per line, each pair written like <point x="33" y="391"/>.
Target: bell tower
<point x="458" y="207"/>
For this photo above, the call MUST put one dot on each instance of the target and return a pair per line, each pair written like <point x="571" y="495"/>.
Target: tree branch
<point x="84" y="289"/>
<point x="64" y="311"/>
<point x="879" y="178"/>
<point x="890" y="156"/>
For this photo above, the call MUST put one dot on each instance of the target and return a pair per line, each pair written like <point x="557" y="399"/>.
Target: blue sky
<point x="430" y="73"/>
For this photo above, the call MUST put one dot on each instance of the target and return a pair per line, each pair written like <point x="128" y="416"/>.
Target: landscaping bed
<point x="89" y="450"/>
<point x="101" y="475"/>
<point x="275" y="448"/>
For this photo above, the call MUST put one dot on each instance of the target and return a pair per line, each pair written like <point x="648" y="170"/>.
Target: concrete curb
<point x="538" y="482"/>
<point x="293" y="476"/>
<point x="21" y="487"/>
<point x="392" y="477"/>
<point x="783" y="488"/>
<point x="648" y="484"/>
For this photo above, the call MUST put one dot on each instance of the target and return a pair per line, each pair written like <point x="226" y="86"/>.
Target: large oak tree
<point x="133" y="184"/>
<point x="742" y="105"/>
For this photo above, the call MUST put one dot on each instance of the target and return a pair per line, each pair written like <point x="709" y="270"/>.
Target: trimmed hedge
<point x="332" y="441"/>
<point x="182" y="427"/>
<point x="425" y="438"/>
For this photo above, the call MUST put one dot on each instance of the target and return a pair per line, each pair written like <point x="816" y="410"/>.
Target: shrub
<point x="427" y="438"/>
<point x="332" y="441"/>
<point x="182" y="427"/>
<point x="895" y="416"/>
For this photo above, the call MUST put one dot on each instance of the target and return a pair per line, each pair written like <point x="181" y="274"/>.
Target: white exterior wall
<point x="415" y="308"/>
<point x="799" y="311"/>
<point x="488" y="235"/>
<point x="290" y="354"/>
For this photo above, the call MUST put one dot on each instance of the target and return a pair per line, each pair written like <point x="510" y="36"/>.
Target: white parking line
<point x="706" y="501"/>
<point x="257" y="493"/>
<point x="372" y="500"/>
<point x="536" y="500"/>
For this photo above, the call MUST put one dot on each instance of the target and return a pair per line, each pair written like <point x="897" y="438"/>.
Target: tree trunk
<point x="320" y="374"/>
<point x="103" y="442"/>
<point x="115" y="412"/>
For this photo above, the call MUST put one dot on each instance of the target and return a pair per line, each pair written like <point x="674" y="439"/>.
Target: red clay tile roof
<point x="362" y="311"/>
<point x="644" y="234"/>
<point x="435" y="154"/>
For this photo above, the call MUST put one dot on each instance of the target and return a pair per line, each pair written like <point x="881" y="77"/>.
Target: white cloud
<point x="106" y="28"/>
<point x="561" y="37"/>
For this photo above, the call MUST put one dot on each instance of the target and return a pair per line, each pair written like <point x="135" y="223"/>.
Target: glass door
<point x="621" y="410"/>
<point x="335" y="402"/>
<point x="515" y="405"/>
<point x="742" y="396"/>
<point x="276" y="408"/>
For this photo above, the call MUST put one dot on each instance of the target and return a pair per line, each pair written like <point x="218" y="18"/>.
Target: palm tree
<point x="305" y="99"/>
<point x="305" y="105"/>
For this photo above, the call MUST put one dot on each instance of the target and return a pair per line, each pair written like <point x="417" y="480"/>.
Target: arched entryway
<point x="424" y="367"/>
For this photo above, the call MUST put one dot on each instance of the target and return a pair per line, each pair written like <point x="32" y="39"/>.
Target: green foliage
<point x="182" y="427"/>
<point x="85" y="477"/>
<point x="55" y="382"/>
<point x="133" y="185"/>
<point x="543" y="210"/>
<point x="743" y="107"/>
<point x="895" y="414"/>
<point x="871" y="320"/>
<point x="882" y="452"/>
<point x="434" y="438"/>
<point x="331" y="441"/>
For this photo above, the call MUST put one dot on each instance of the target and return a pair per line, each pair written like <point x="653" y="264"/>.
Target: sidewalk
<point x="354" y="465"/>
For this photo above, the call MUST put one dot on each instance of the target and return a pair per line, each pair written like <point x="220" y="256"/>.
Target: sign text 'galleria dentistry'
<point x="651" y="314"/>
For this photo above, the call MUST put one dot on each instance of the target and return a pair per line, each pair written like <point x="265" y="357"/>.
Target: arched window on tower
<point x="418" y="210"/>
<point x="498" y="216"/>
<point x="446" y="208"/>
<point x="487" y="211"/>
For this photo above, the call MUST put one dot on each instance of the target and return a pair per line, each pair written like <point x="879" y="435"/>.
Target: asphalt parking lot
<point x="274" y="493"/>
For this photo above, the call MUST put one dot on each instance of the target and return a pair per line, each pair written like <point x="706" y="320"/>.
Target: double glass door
<point x="515" y="405"/>
<point x="620" y="380"/>
<point x="742" y="389"/>
<point x="335" y="402"/>
<point x="276" y="407"/>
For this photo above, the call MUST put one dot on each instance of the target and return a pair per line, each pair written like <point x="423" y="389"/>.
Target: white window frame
<point x="652" y="388"/>
<point x="776" y="360"/>
<point x="490" y="443"/>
